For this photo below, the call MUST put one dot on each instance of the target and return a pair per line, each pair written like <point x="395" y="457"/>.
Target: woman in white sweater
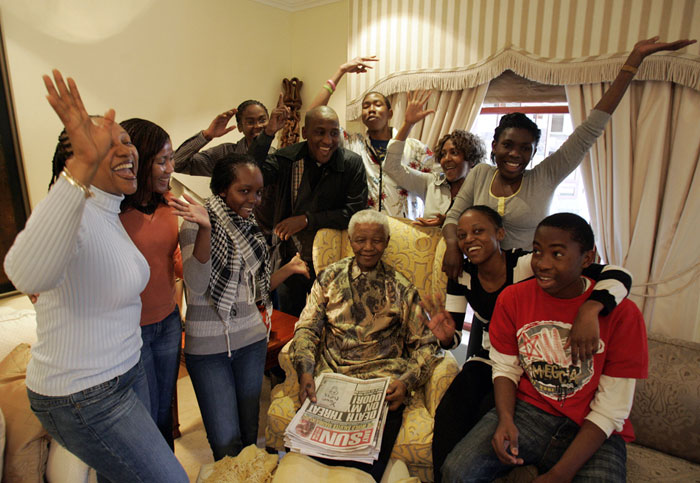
<point x="84" y="375"/>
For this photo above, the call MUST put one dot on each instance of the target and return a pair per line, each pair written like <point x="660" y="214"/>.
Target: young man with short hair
<point x="568" y="420"/>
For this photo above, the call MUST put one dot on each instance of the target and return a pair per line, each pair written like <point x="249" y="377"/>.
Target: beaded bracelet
<point x="69" y="177"/>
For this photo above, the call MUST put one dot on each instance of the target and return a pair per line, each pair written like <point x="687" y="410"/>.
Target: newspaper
<point x="345" y="423"/>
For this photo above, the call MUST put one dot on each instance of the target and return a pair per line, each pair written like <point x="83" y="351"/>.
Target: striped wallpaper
<point x="455" y="44"/>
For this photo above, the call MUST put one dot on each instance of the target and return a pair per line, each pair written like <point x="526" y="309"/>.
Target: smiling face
<point x="557" y="262"/>
<point x="375" y="113"/>
<point x="245" y="193"/>
<point x="513" y="151"/>
<point x="478" y="237"/>
<point x="322" y="134"/>
<point x="161" y="170"/>
<point x="368" y="242"/>
<point x="452" y="162"/>
<point x="117" y="171"/>
<point x="253" y="121"/>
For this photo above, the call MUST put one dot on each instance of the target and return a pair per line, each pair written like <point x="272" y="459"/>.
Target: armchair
<point x="417" y="253"/>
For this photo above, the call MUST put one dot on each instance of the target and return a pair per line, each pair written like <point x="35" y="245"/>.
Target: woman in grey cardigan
<point x="522" y="196"/>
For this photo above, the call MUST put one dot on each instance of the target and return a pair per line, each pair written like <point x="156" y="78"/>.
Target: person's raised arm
<point x="189" y="160"/>
<point x="260" y="148"/>
<point x="641" y="50"/>
<point x="358" y="65"/>
<point x="195" y="243"/>
<point x="37" y="260"/>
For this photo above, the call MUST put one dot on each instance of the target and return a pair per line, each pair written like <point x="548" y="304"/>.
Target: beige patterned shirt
<point x="364" y="325"/>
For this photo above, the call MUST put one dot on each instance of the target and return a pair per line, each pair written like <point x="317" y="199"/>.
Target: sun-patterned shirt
<point x="364" y="325"/>
<point x="395" y="200"/>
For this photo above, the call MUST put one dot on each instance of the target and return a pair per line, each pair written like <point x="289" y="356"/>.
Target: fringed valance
<point x="453" y="44"/>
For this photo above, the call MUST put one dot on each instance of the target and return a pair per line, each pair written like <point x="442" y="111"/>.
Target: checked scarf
<point x="238" y="250"/>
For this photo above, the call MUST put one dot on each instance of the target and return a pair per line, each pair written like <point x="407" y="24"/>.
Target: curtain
<point x="450" y="45"/>
<point x="643" y="185"/>
<point x="453" y="110"/>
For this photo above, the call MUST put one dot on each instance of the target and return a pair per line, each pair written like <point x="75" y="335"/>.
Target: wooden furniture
<point x="282" y="332"/>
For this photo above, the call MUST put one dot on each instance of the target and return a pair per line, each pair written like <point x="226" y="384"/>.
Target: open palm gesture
<point x="439" y="320"/>
<point x="415" y="108"/>
<point x="646" y="47"/>
<point x="90" y="141"/>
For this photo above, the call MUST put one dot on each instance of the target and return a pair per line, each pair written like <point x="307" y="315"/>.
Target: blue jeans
<point x="160" y="356"/>
<point x="109" y="428"/>
<point x="228" y="394"/>
<point x="543" y="439"/>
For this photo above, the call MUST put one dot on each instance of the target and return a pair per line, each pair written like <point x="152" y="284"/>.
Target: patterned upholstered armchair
<point x="417" y="253"/>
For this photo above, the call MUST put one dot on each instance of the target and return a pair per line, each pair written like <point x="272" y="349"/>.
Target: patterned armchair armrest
<point x="290" y="386"/>
<point x="440" y="379"/>
<point x="284" y="402"/>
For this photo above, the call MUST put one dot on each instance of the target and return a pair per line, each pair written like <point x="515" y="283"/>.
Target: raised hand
<point x="278" y="117"/>
<point x="219" y="126"/>
<point x="91" y="139"/>
<point x="358" y="65"/>
<point x="439" y="320"/>
<point x="646" y="47"/>
<point x="415" y="111"/>
<point x="191" y="211"/>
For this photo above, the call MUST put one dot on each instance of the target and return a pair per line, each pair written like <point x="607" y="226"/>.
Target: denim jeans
<point x="109" y="428"/>
<point x="160" y="356"/>
<point x="228" y="394"/>
<point x="543" y="439"/>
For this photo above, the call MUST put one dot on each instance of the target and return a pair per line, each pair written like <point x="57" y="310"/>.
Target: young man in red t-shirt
<point x="568" y="420"/>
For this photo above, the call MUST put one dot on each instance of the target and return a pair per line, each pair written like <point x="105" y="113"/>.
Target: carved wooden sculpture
<point x="291" y="89"/>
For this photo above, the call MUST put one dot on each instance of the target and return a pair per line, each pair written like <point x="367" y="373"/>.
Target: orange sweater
<point x="156" y="236"/>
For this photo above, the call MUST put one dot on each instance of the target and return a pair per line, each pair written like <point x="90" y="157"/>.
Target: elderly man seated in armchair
<point x="362" y="319"/>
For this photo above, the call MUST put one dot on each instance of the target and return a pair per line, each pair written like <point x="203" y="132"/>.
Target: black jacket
<point x="340" y="192"/>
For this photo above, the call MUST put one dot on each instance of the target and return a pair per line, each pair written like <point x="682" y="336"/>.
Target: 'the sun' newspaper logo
<point x="548" y="366"/>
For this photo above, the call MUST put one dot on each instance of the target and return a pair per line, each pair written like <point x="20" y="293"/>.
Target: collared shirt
<point x="364" y="324"/>
<point x="396" y="200"/>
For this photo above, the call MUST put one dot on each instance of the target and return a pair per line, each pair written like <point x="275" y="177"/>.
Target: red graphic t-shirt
<point x="535" y="326"/>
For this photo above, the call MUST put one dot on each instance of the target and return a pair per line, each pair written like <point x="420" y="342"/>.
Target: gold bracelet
<point x="69" y="177"/>
<point x="629" y="68"/>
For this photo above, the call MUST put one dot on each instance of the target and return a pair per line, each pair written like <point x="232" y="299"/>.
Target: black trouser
<point x="292" y="294"/>
<point x="391" y="432"/>
<point x="465" y="402"/>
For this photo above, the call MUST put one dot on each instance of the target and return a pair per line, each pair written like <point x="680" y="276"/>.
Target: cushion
<point x="645" y="464"/>
<point x="26" y="440"/>
<point x="16" y="326"/>
<point x="665" y="412"/>
<point x="296" y="467"/>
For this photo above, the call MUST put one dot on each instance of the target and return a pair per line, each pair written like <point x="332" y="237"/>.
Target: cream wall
<point x="319" y="45"/>
<point x="175" y="62"/>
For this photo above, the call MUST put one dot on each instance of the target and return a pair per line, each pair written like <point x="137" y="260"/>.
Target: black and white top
<point x="612" y="286"/>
